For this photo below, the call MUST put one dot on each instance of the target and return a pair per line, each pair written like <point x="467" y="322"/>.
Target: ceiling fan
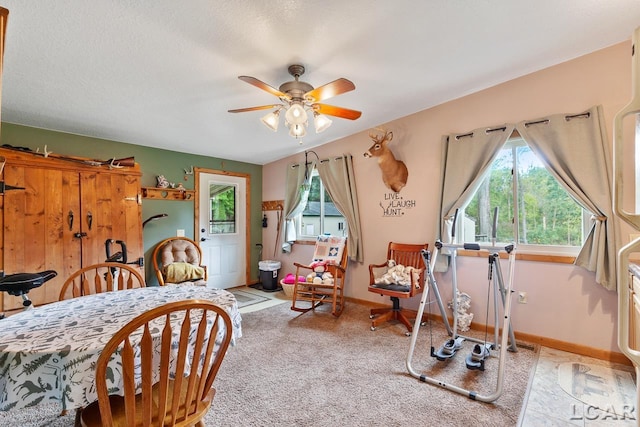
<point x="297" y="98"/>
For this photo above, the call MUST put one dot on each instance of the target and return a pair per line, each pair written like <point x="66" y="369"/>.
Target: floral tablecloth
<point x="48" y="354"/>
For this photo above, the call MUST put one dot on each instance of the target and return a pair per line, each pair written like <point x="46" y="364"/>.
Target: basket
<point x="287" y="288"/>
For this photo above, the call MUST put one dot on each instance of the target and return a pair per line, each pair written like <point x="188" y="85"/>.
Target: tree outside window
<point x="534" y="209"/>
<point x="222" y="218"/>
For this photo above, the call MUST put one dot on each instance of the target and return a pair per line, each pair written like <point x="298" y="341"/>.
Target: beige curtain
<point x="573" y="147"/>
<point x="297" y="184"/>
<point x="339" y="180"/>
<point x="574" y="150"/>
<point x="466" y="159"/>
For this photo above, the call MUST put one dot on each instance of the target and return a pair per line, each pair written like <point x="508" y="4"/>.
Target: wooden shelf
<point x="168" y="194"/>
<point x="273" y="205"/>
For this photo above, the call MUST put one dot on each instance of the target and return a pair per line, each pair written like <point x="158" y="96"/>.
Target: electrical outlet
<point x="522" y="297"/>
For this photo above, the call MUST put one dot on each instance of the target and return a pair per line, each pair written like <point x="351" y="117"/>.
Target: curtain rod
<point x="527" y="124"/>
<point x="307" y="163"/>
<point x="344" y="156"/>
<point x="567" y="118"/>
<point x="503" y="128"/>
<point x="306" y="159"/>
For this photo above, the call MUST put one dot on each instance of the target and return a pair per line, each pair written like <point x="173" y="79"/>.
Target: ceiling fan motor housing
<point x="296" y="89"/>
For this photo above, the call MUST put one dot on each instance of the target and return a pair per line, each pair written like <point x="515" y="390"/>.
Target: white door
<point x="222" y="227"/>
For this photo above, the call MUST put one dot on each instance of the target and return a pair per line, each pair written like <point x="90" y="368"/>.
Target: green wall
<point x="152" y="162"/>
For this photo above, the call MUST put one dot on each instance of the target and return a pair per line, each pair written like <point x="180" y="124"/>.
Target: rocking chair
<point x="331" y="253"/>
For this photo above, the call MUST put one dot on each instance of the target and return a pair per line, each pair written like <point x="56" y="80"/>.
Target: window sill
<point x="521" y="256"/>
<point x="305" y="242"/>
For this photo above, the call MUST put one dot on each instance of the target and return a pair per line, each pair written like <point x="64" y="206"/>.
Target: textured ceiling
<point x="164" y="73"/>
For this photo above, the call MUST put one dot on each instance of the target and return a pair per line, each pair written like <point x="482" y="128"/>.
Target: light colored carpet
<point x="292" y="369"/>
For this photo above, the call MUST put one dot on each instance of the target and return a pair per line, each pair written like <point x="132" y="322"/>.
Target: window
<point x="320" y="215"/>
<point x="222" y="212"/>
<point x="534" y="210"/>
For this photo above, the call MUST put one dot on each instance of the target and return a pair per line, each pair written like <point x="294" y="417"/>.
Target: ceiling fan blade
<point x="261" y="107"/>
<point x="329" y="90"/>
<point x="262" y="85"/>
<point x="331" y="110"/>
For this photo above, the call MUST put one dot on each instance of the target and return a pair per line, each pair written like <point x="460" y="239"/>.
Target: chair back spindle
<point x="101" y="277"/>
<point x="169" y="358"/>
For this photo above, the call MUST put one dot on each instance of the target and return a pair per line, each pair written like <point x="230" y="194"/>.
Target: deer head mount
<point x="394" y="172"/>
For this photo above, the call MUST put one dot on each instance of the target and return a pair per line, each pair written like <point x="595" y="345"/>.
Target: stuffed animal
<point x="400" y="275"/>
<point x="327" y="278"/>
<point x="320" y="274"/>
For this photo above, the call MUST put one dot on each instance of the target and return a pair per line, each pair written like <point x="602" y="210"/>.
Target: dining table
<point x="48" y="354"/>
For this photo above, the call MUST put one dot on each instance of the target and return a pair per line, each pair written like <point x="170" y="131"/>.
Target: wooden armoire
<point x="59" y="214"/>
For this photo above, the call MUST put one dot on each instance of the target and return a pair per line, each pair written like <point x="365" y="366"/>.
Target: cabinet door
<point x="111" y="210"/>
<point x="39" y="223"/>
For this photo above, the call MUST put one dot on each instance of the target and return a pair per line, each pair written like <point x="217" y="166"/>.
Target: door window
<point x="222" y="212"/>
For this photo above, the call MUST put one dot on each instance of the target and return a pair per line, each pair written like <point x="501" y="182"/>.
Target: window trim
<point x="551" y="253"/>
<point x="301" y="237"/>
<point x="525" y="256"/>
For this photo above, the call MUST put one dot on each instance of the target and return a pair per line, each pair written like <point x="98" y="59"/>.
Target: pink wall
<point x="565" y="303"/>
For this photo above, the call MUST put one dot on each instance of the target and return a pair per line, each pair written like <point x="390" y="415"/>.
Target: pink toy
<point x="290" y="279"/>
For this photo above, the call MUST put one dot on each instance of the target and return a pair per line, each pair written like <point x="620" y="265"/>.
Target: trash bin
<point x="269" y="274"/>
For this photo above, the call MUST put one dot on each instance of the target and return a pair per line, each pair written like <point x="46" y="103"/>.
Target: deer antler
<point x="386" y="136"/>
<point x="45" y="153"/>
<point x="113" y="164"/>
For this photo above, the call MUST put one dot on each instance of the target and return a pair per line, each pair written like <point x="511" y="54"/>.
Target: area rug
<point x="601" y="387"/>
<point x="312" y="369"/>
<point x="247" y="298"/>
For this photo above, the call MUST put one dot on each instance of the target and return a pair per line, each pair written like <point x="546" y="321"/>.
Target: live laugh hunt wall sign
<point x="394" y="175"/>
<point x="395" y="205"/>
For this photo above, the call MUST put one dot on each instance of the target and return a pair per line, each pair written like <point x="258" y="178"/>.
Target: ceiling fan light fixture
<point x="272" y="120"/>
<point x="321" y="122"/>
<point x="298" y="130"/>
<point x="296" y="114"/>
<point x="299" y="100"/>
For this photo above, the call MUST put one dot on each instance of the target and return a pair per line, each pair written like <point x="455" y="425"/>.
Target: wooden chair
<point x="179" y="260"/>
<point x="102" y="277"/>
<point x="168" y="358"/>
<point x="308" y="295"/>
<point x="406" y="255"/>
